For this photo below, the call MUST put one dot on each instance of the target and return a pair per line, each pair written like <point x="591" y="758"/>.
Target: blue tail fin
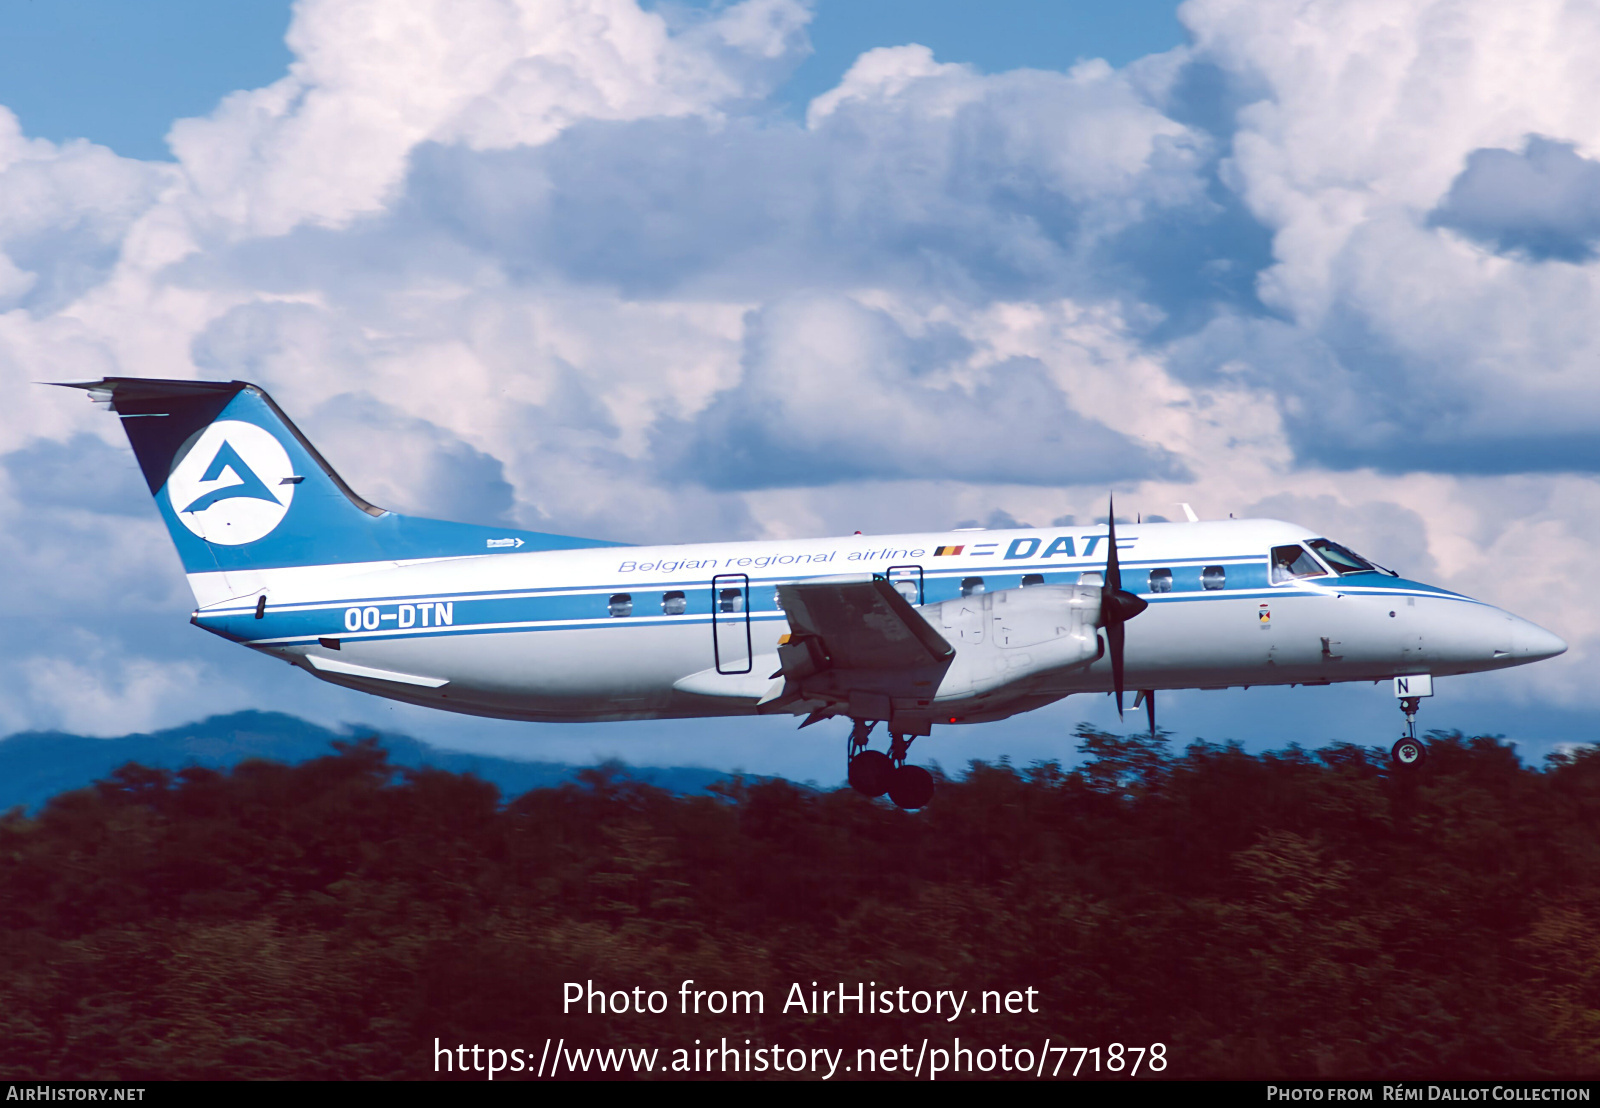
<point x="240" y="488"/>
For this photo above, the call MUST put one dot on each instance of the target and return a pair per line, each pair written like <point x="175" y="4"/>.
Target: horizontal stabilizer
<point x="242" y="490"/>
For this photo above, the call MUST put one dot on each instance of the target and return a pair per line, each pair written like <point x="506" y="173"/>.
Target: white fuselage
<point x="671" y="631"/>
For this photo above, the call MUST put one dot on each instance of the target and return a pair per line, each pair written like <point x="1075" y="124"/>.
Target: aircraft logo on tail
<point x="249" y="484"/>
<point x="234" y="485"/>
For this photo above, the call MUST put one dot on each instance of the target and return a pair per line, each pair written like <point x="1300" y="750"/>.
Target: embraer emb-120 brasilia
<point x="905" y="630"/>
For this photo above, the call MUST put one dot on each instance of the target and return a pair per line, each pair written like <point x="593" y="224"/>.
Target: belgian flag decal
<point x="940" y="551"/>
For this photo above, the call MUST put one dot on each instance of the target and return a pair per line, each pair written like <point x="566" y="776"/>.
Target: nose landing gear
<point x="873" y="773"/>
<point x="1409" y="753"/>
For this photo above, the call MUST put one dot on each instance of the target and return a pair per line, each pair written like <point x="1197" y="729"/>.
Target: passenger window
<point x="971" y="586"/>
<point x="1213" y="577"/>
<point x="1031" y="579"/>
<point x="1160" y="580"/>
<point x="673" y="603"/>
<point x="1291" y="562"/>
<point x="621" y="604"/>
<point x="730" y="600"/>
<point x="907" y="581"/>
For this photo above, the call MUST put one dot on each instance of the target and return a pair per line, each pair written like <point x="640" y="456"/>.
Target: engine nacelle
<point x="1004" y="636"/>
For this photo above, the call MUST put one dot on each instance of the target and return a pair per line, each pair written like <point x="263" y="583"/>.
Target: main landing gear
<point x="873" y="773"/>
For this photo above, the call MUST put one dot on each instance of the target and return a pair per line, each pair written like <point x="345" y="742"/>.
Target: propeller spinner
<point x="1116" y="608"/>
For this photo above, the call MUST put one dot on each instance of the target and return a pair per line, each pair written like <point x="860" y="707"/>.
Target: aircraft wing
<point x="860" y="623"/>
<point x="856" y="646"/>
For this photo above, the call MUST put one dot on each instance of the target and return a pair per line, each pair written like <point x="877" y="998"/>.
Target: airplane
<point x="908" y="631"/>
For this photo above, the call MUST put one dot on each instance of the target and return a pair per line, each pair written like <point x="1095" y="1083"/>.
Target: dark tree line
<point x="1299" y="913"/>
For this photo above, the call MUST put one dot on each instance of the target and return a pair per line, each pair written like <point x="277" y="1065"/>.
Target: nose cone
<point x="1470" y="638"/>
<point x="1530" y="642"/>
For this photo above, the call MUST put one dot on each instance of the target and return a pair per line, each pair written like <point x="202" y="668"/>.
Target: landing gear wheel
<point x="871" y="773"/>
<point x="1409" y="753"/>
<point x="910" y="787"/>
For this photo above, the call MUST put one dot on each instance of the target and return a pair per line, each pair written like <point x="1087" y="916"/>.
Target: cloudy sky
<point x="778" y="268"/>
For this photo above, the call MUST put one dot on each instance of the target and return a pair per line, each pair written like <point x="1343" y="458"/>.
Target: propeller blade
<point x="1114" y="640"/>
<point x="1113" y="567"/>
<point x="1150" y="710"/>
<point x="1116" y="606"/>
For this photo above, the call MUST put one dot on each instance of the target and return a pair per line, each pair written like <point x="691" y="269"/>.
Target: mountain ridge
<point x="36" y="765"/>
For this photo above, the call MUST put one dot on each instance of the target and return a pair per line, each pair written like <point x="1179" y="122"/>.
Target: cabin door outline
<point x="730" y="622"/>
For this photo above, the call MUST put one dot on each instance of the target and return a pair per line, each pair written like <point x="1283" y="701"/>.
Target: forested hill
<point x="1294" y="913"/>
<point x="36" y="765"/>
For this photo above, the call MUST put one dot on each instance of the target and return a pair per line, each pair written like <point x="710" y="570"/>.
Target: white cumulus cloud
<point x="560" y="263"/>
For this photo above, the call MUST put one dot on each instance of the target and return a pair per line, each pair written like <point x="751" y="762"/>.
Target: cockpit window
<point x="1290" y="562"/>
<point x="1341" y="558"/>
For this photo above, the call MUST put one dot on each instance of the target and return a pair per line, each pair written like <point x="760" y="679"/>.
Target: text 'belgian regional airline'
<point x="904" y="630"/>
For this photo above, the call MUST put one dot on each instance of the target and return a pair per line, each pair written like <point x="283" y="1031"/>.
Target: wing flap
<point x="863" y="624"/>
